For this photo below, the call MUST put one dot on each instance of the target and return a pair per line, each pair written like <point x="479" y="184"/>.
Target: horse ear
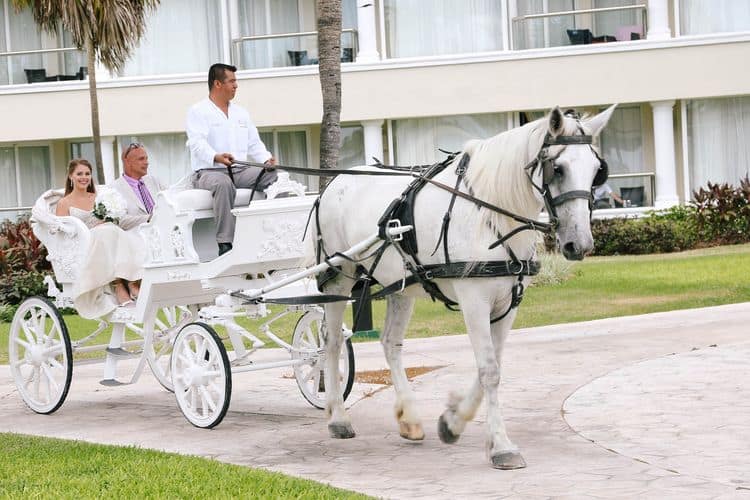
<point x="597" y="123"/>
<point x="555" y="122"/>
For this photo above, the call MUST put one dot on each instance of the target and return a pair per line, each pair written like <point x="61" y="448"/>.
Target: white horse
<point x="505" y="171"/>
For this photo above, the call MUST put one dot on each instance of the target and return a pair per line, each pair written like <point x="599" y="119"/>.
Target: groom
<point x="136" y="186"/>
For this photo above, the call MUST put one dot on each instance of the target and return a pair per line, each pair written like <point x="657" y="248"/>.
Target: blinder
<point x="603" y="173"/>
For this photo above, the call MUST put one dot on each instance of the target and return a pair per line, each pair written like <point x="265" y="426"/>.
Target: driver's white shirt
<point x="210" y="131"/>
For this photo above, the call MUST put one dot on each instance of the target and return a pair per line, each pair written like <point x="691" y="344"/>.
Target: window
<point x="718" y="146"/>
<point x="26" y="174"/>
<point x="558" y="30"/>
<point x="713" y="16"/>
<point x="352" y="152"/>
<point x="47" y="64"/>
<point x="416" y="140"/>
<point x="279" y="17"/>
<point x="182" y="36"/>
<point x="289" y="147"/>
<point x="621" y="145"/>
<point x="168" y="155"/>
<point x="427" y="28"/>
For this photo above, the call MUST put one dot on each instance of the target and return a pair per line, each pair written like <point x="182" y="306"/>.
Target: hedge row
<point x="718" y="215"/>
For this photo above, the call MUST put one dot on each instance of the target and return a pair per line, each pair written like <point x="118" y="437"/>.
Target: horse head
<point x="569" y="168"/>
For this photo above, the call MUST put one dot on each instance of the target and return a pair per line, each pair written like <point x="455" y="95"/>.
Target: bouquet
<point x="109" y="205"/>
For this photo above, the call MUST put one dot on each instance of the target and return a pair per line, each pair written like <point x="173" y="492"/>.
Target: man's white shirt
<point x="210" y="132"/>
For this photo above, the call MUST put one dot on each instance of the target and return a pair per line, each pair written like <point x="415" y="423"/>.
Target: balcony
<point x="42" y="65"/>
<point x="579" y="27"/>
<point x="287" y="49"/>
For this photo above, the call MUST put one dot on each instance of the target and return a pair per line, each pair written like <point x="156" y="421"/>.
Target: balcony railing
<point x="42" y="65"/>
<point x="287" y="49"/>
<point x="576" y="27"/>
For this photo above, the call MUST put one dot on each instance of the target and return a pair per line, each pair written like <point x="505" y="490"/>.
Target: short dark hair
<point x="217" y="72"/>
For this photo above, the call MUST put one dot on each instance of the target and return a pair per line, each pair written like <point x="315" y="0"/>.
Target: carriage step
<point x="121" y="353"/>
<point x="110" y="382"/>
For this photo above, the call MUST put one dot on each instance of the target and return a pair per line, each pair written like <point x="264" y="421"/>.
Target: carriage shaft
<point x="333" y="261"/>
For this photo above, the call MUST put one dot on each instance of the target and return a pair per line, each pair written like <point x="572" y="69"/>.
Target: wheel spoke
<point x="52" y="384"/>
<point x="207" y="401"/>
<point x="27" y="332"/>
<point x="56" y="364"/>
<point x="36" y="380"/>
<point x="22" y="343"/>
<point x="309" y="375"/>
<point x="193" y="398"/>
<point x="52" y="333"/>
<point x="316" y="381"/>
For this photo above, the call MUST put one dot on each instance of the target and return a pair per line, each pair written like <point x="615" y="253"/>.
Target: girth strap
<point x="485" y="269"/>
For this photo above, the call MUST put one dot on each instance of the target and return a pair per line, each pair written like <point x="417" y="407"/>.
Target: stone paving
<point x="653" y="406"/>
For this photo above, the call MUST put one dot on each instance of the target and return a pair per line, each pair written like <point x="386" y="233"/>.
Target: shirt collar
<point x="132" y="182"/>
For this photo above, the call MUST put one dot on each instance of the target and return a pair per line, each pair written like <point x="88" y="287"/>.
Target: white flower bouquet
<point x="109" y="205"/>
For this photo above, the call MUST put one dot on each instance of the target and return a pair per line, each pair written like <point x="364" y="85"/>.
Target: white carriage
<point x="184" y="293"/>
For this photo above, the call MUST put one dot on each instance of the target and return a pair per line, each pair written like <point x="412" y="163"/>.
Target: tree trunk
<point x="329" y="66"/>
<point x="94" y="102"/>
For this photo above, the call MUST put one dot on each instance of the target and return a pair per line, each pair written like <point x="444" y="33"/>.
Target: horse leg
<point x="461" y="409"/>
<point x="503" y="453"/>
<point x="396" y="320"/>
<point x="339" y="422"/>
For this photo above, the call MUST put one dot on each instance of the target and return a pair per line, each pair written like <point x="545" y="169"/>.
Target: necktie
<point x="148" y="202"/>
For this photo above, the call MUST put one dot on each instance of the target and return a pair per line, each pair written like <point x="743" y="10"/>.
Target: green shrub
<point x="652" y="234"/>
<point x="20" y="250"/>
<point x="723" y="212"/>
<point x="6" y="312"/>
<point x="23" y="262"/>
<point x="15" y="287"/>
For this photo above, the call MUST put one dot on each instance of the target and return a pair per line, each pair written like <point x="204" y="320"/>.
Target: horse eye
<point x="558" y="170"/>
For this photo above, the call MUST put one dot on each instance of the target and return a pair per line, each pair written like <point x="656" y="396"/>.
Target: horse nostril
<point x="569" y="248"/>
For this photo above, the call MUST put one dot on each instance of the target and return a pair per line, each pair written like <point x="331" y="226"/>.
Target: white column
<point x="367" y="39"/>
<point x="666" y="171"/>
<point x="233" y="50"/>
<point x="373" y="132"/>
<point x="658" y="20"/>
<point x="108" y="159"/>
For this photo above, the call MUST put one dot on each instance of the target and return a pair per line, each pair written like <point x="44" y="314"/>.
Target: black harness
<point x="401" y="210"/>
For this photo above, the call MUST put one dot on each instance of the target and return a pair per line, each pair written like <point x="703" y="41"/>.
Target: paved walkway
<point x="653" y="406"/>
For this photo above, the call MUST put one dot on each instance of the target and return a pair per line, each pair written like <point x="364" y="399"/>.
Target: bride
<point x="115" y="257"/>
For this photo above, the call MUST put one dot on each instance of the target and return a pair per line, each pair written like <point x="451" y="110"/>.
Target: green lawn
<point x="33" y="467"/>
<point x="601" y="287"/>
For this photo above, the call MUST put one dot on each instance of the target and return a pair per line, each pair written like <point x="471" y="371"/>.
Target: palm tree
<point x="329" y="67"/>
<point x="108" y="30"/>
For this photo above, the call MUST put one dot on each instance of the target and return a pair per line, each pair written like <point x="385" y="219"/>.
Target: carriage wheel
<point x="201" y="375"/>
<point x="308" y="343"/>
<point x="40" y="355"/>
<point x="159" y="351"/>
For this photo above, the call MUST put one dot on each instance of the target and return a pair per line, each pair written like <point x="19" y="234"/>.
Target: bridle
<point x="546" y="164"/>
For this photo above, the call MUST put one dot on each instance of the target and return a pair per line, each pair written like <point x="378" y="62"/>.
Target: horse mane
<point x="496" y="174"/>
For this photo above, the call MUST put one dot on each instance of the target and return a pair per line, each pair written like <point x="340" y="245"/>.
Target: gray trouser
<point x="223" y="192"/>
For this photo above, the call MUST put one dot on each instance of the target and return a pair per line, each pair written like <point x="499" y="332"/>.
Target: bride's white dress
<point x="113" y="253"/>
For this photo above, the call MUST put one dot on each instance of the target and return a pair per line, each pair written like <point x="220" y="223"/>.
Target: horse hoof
<point x="508" y="461"/>
<point x="341" y="431"/>
<point x="446" y="435"/>
<point x="412" y="432"/>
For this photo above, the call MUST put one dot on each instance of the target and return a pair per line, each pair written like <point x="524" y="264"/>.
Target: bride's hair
<point x="71" y="167"/>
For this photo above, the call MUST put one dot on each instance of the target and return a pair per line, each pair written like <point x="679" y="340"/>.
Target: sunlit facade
<point x="418" y="75"/>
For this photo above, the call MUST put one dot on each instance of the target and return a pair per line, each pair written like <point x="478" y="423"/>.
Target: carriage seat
<point x="66" y="238"/>
<point x="201" y="199"/>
